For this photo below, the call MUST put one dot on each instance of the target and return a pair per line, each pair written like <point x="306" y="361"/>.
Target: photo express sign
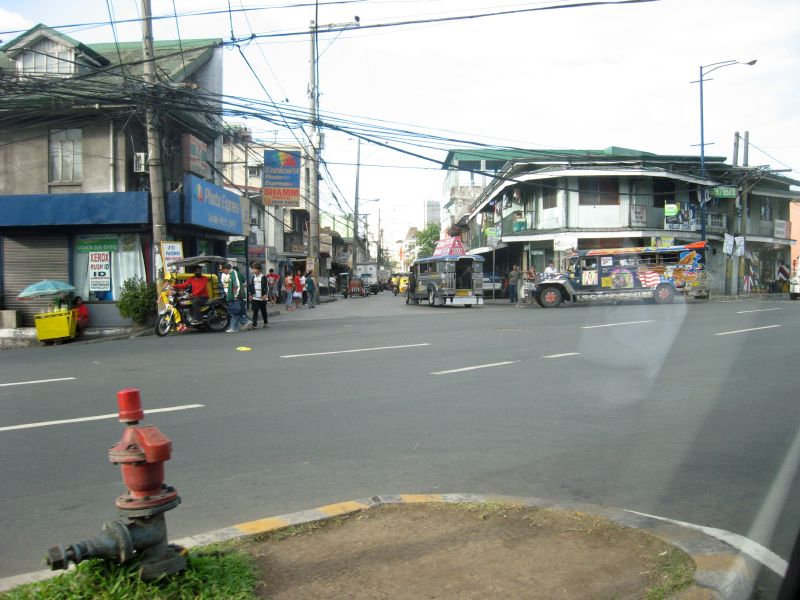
<point x="210" y="206"/>
<point x="281" y="184"/>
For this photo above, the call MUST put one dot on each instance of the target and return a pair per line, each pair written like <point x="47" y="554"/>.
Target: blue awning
<point x="30" y="210"/>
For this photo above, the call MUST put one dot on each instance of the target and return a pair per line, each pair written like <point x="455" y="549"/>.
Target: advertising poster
<point x="99" y="271"/>
<point x="281" y="184"/>
<point x="727" y="244"/>
<point x="638" y="216"/>
<point x="681" y="216"/>
<point x="170" y="252"/>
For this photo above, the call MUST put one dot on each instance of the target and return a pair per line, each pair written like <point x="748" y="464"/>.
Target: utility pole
<point x="153" y="138"/>
<point x="313" y="154"/>
<point x="356" y="243"/>
<point x="315" y="146"/>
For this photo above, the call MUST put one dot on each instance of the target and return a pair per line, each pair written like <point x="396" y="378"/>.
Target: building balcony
<point x="295" y="242"/>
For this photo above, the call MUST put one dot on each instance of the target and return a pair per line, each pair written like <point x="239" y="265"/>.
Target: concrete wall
<point x="24" y="161"/>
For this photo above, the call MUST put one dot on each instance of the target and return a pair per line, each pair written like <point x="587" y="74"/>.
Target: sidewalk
<point x="488" y="301"/>
<point x="479" y="546"/>
<point x="23" y="337"/>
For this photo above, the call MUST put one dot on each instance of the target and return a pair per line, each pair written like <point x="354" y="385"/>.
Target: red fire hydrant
<point x="141" y="454"/>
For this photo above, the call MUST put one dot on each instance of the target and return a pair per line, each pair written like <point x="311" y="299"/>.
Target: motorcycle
<point x="177" y="312"/>
<point x="395" y="289"/>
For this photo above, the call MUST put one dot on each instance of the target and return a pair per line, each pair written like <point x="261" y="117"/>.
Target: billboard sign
<point x="281" y="178"/>
<point x="195" y="156"/>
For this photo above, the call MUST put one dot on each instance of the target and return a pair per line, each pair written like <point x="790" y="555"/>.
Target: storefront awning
<point x="36" y="210"/>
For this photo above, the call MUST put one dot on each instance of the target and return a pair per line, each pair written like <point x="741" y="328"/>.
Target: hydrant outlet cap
<point x="130" y="405"/>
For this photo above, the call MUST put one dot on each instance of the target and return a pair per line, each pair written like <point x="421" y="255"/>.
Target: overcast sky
<point x="582" y="78"/>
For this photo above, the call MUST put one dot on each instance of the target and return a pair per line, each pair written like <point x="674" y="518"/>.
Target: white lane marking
<point x="742" y="312"/>
<point x="497" y="364"/>
<point x="745" y="330"/>
<point x="355" y="350"/>
<point x="37" y="381"/>
<point x="615" y="324"/>
<point x="561" y="355"/>
<point x="753" y="549"/>
<point x="96" y="417"/>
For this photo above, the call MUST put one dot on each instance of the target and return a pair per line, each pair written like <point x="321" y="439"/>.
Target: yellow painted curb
<point x="418" y="498"/>
<point x="341" y="508"/>
<point x="263" y="525"/>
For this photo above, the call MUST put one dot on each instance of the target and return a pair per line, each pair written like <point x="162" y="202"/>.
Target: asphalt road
<point x="636" y="406"/>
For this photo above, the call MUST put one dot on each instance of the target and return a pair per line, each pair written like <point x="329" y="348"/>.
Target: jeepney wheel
<point x="431" y="297"/>
<point x="550" y="297"/>
<point x="664" y="294"/>
<point x="164" y="325"/>
<point x="793" y="296"/>
<point x="218" y="319"/>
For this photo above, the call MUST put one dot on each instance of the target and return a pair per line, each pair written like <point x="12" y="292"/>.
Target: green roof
<point x="612" y="153"/>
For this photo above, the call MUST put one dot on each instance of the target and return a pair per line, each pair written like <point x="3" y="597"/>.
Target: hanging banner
<point x="727" y="244"/>
<point x="739" y="245"/>
<point x="99" y="271"/>
<point x="638" y="216"/>
<point x="281" y="178"/>
<point x="563" y="242"/>
<point x="681" y="216"/>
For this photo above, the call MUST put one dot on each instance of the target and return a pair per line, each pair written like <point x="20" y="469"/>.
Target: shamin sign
<point x="281" y="184"/>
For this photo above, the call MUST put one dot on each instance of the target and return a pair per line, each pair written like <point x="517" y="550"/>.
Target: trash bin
<point x="57" y="325"/>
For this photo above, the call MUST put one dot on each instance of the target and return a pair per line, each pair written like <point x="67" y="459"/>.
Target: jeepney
<point x="447" y="280"/>
<point x="643" y="273"/>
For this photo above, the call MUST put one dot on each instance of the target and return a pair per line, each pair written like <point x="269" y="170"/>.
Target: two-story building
<point x="74" y="181"/>
<point x="542" y="206"/>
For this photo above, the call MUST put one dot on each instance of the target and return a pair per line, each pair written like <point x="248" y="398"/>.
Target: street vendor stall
<point x="60" y="322"/>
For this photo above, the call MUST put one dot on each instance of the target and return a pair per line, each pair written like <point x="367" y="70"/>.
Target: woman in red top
<point x="83" y="314"/>
<point x="298" y="289"/>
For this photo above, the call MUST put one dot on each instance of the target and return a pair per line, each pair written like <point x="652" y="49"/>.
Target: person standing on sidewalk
<point x="288" y="287"/>
<point x="241" y="296"/>
<point x="311" y="289"/>
<point x="272" y="290"/>
<point x="299" y="288"/>
<point x="259" y="293"/>
<point x="513" y="283"/>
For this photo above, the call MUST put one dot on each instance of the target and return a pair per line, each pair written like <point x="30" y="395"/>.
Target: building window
<point x="254" y="172"/>
<point x="766" y="210"/>
<point x="663" y="192"/>
<point x="66" y="157"/>
<point x="598" y="191"/>
<point x="47" y="60"/>
<point x="549" y="197"/>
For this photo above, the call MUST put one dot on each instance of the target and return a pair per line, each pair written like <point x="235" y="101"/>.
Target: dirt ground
<point x="467" y="551"/>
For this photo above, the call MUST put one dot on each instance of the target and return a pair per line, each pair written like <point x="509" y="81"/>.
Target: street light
<point x="703" y="73"/>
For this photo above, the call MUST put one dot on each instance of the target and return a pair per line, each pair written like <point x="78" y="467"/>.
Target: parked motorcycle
<point x="177" y="313"/>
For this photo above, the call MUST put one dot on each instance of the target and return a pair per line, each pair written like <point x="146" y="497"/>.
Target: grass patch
<point x="675" y="572"/>
<point x="212" y="573"/>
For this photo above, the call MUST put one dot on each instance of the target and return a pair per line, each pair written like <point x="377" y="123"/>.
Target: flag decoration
<point x="649" y="278"/>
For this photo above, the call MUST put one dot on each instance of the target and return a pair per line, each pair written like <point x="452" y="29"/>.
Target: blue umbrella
<point x="48" y="287"/>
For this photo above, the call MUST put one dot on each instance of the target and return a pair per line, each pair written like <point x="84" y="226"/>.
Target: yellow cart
<point x="56" y="326"/>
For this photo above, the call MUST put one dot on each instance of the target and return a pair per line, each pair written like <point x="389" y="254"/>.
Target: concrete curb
<point x="722" y="573"/>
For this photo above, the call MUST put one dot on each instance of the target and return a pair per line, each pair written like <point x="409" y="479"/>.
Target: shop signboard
<point x="257" y="252"/>
<point x="99" y="271"/>
<point x="564" y="242"/>
<point x="449" y="246"/>
<point x="213" y="207"/>
<point x="195" y="156"/>
<point x="170" y="252"/>
<point x="783" y="229"/>
<point x="493" y="236"/>
<point x="638" y="215"/>
<point x="96" y="245"/>
<point x="723" y="191"/>
<point x="281" y="178"/>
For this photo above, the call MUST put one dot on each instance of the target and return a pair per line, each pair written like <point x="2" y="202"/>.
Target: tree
<point x="426" y="240"/>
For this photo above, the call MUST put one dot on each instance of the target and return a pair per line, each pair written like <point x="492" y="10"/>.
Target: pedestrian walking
<point x="311" y="290"/>
<point x="232" y="287"/>
<point x="241" y="295"/>
<point x="297" y="295"/>
<point x="513" y="284"/>
<point x="331" y="284"/>
<point x="258" y="291"/>
<point x="272" y="287"/>
<point x="303" y="286"/>
<point x="288" y="287"/>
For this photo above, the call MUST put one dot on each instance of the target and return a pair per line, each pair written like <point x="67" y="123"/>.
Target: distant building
<point x="433" y="212"/>
<point x="409" y="249"/>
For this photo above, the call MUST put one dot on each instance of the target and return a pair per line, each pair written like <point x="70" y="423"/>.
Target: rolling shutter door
<point x="27" y="260"/>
